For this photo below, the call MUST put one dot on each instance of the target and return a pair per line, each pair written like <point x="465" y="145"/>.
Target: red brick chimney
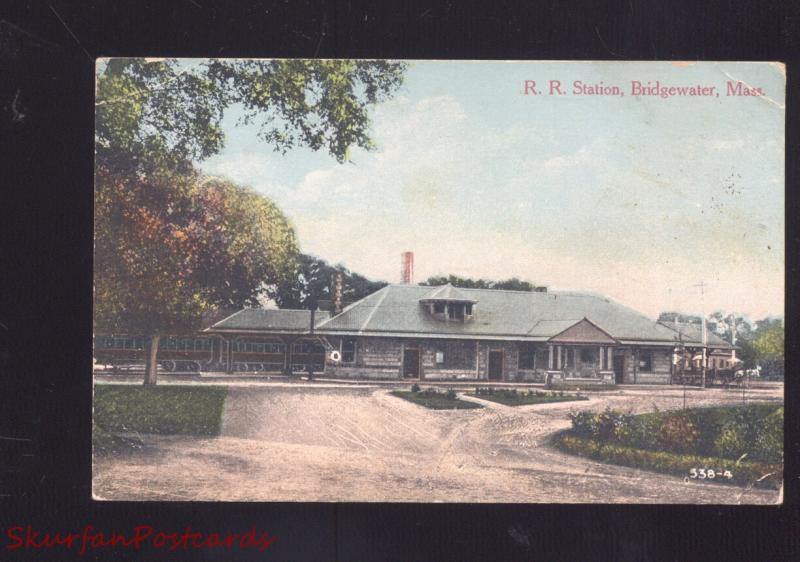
<point x="407" y="268"/>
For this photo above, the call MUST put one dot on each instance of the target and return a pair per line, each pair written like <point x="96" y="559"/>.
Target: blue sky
<point x="638" y="198"/>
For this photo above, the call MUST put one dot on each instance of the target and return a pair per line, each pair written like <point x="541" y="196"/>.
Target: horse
<point x="740" y="374"/>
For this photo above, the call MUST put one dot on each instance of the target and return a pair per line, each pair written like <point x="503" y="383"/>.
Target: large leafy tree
<point x="170" y="247"/>
<point x="169" y="112"/>
<point x="768" y="345"/>
<point x="170" y="244"/>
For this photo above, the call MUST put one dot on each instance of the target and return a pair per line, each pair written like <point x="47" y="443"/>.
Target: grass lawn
<point x="435" y="400"/>
<point x="170" y="410"/>
<point x="510" y="398"/>
<point x="740" y="445"/>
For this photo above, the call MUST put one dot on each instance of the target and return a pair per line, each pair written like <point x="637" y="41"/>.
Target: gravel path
<point x="361" y="444"/>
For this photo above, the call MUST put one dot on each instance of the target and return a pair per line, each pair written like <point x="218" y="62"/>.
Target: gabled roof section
<point x="447" y="293"/>
<point x="584" y="331"/>
<point x="532" y="316"/>
<point x="269" y="320"/>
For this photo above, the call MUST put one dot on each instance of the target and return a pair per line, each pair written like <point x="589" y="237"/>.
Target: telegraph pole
<point x="705" y="339"/>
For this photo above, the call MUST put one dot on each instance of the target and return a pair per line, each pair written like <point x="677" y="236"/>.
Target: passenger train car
<point x="195" y="353"/>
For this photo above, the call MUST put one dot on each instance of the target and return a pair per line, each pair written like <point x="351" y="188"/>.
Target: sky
<point x="639" y="198"/>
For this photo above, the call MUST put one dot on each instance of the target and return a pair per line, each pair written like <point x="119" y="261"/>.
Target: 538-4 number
<point x="709" y="473"/>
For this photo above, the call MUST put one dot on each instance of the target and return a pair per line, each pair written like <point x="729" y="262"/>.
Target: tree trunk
<point x="151" y="360"/>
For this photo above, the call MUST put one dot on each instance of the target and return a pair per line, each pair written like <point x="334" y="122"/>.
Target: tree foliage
<point x="512" y="284"/>
<point x="769" y="340"/>
<point x="170" y="246"/>
<point x="312" y="284"/>
<point x="169" y="112"/>
<point x="760" y="342"/>
<point x="677" y="316"/>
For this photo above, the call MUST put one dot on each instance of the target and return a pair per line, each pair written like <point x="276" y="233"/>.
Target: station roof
<point x="269" y="320"/>
<point x="518" y="315"/>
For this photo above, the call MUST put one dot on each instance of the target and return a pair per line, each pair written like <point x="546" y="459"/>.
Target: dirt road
<point x="361" y="444"/>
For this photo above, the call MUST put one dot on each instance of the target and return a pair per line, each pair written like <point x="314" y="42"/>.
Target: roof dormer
<point x="449" y="304"/>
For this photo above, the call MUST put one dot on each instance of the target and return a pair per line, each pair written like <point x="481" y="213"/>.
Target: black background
<point x="47" y="53"/>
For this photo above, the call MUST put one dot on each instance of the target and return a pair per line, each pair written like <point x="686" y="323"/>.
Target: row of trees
<point x="761" y="341"/>
<point x="171" y="244"/>
<point x="312" y="284"/>
<point x="512" y="284"/>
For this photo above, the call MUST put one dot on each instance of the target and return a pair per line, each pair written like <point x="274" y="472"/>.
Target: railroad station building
<point x="416" y="332"/>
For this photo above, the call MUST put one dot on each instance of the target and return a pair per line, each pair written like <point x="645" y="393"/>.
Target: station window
<point x="646" y="361"/>
<point x="527" y="353"/>
<point x="456" y="311"/>
<point x="438" y="307"/>
<point x="348" y="350"/>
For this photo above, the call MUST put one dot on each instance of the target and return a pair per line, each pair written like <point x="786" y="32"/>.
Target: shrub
<point x="731" y="442"/>
<point x="752" y="433"/>
<point x="415" y="387"/>
<point x="641" y="431"/>
<point x="450" y="394"/>
<point x="605" y="425"/>
<point x="583" y="423"/>
<point x="768" y="440"/>
<point x="677" y="434"/>
<point x="745" y="473"/>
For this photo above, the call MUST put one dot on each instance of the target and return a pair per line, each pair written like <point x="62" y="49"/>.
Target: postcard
<point x="439" y="281"/>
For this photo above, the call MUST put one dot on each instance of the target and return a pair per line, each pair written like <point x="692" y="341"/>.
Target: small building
<point x="720" y="355"/>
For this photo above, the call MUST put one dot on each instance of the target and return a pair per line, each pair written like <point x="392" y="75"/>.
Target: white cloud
<point x="626" y="204"/>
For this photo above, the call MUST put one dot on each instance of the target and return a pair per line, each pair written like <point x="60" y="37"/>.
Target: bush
<point x="731" y="443"/>
<point x="749" y="433"/>
<point x="677" y="434"/>
<point x="608" y="425"/>
<point x="769" y="438"/>
<point x="583" y="423"/>
<point x="745" y="473"/>
<point x="415" y="387"/>
<point x="450" y="394"/>
<point x="640" y="431"/>
<point x="716" y="437"/>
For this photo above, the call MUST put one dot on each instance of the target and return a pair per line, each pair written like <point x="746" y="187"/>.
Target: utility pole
<point x="703" y="324"/>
